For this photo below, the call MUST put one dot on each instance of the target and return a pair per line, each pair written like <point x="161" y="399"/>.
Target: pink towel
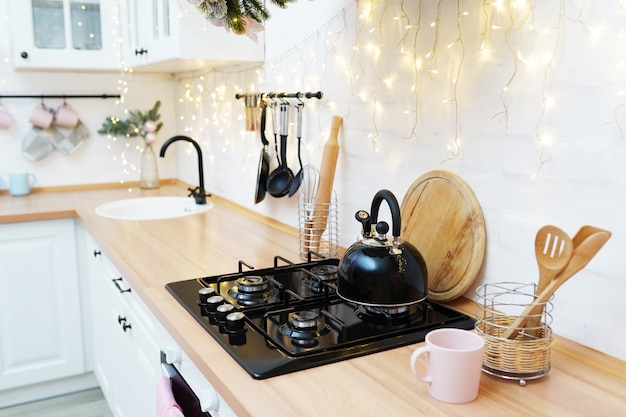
<point x="165" y="403"/>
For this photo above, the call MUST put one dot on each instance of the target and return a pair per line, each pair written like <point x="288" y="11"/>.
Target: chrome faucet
<point x="198" y="193"/>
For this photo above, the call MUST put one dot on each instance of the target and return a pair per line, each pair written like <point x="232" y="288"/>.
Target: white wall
<point x="99" y="160"/>
<point x="581" y="182"/>
<point x="574" y="57"/>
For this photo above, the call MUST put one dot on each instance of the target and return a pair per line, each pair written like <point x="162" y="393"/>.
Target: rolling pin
<point x="325" y="189"/>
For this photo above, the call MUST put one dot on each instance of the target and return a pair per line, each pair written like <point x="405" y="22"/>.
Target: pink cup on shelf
<point x="6" y="120"/>
<point x="41" y="117"/>
<point x="454" y="359"/>
<point x="65" y="116"/>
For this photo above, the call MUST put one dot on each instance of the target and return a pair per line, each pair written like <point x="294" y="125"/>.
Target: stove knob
<point x="205" y="293"/>
<point x="223" y="310"/>
<point x="235" y="321"/>
<point x="213" y="302"/>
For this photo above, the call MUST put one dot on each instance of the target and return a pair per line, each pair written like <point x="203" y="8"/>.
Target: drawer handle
<point x="96" y="253"/>
<point x="117" y="281"/>
<point x="122" y="321"/>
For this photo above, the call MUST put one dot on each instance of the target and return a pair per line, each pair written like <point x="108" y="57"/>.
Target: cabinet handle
<point x="24" y="54"/>
<point x="96" y="253"/>
<point x="117" y="281"/>
<point x="141" y="51"/>
<point x="122" y="320"/>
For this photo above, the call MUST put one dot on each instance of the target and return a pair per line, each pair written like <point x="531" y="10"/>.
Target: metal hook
<point x="299" y="97"/>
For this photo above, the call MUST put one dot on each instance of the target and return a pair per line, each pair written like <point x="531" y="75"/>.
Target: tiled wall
<point x="565" y="75"/>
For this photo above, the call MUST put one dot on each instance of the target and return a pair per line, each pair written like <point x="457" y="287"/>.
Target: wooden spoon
<point x="553" y="250"/>
<point x="581" y="256"/>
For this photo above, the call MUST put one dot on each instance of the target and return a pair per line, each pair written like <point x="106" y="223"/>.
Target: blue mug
<point x="21" y="183"/>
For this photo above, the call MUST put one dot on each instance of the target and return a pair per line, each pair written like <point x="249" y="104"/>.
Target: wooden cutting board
<point x="441" y="217"/>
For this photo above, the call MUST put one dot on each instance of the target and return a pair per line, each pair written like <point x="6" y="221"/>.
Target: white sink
<point x="151" y="208"/>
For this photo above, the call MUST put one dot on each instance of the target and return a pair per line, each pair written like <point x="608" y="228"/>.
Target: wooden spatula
<point x="588" y="246"/>
<point x="553" y="250"/>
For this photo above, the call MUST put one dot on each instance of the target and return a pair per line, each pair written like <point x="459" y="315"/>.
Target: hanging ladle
<point x="297" y="179"/>
<point x="280" y="179"/>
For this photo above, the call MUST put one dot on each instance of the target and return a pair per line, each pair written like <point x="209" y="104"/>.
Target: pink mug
<point x="41" y="117"/>
<point x="65" y="116"/>
<point x="5" y="118"/>
<point x="454" y="359"/>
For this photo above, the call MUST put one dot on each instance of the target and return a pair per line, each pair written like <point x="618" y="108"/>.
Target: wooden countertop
<point x="149" y="254"/>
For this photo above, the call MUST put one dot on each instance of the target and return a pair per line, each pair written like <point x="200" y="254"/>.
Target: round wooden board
<point x="441" y="217"/>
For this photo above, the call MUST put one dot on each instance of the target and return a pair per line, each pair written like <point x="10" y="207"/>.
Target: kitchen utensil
<point x="310" y="185"/>
<point x="264" y="161"/>
<point x="308" y="192"/>
<point x="441" y="217"/>
<point x="454" y="359"/>
<point x="382" y="272"/>
<point x="275" y="131"/>
<point x="327" y="177"/>
<point x="553" y="250"/>
<point x="280" y="179"/>
<point x="582" y="254"/>
<point x="297" y="179"/>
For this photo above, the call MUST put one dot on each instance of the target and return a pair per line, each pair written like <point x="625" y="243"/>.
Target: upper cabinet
<point x="65" y="34"/>
<point x="172" y="36"/>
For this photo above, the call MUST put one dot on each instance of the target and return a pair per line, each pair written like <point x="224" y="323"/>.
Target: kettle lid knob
<point x="382" y="228"/>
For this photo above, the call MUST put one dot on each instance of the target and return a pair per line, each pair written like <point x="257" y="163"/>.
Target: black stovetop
<point x="324" y="328"/>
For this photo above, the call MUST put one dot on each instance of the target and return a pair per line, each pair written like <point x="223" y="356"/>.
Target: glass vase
<point x="149" y="170"/>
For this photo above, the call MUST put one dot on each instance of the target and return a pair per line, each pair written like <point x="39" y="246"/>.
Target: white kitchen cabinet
<point x="126" y="350"/>
<point x="41" y="336"/>
<point x="172" y="36"/>
<point x="65" y="34"/>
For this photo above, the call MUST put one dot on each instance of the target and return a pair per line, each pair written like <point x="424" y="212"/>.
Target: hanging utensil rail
<point x="318" y="95"/>
<point x="63" y="96"/>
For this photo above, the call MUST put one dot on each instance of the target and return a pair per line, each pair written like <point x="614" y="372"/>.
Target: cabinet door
<point x="172" y="36"/>
<point x="65" y="34"/>
<point x="126" y="353"/>
<point x="40" y="322"/>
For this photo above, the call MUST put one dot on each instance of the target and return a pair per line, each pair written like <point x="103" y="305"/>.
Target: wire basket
<point x="318" y="227"/>
<point x="525" y="357"/>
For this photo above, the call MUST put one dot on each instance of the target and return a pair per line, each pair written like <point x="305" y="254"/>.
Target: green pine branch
<point x="133" y="126"/>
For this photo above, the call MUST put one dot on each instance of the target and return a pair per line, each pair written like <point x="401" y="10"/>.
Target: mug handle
<point x="424" y="350"/>
<point x="32" y="179"/>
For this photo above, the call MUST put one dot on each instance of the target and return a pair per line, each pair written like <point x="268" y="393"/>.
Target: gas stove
<point x="289" y="318"/>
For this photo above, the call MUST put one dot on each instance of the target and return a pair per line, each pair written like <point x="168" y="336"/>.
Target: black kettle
<point x="381" y="272"/>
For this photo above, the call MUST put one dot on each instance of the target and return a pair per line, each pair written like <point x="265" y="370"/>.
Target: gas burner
<point x="387" y="311"/>
<point x="304" y="328"/>
<point x="388" y="316"/>
<point x="252" y="290"/>
<point x="325" y="272"/>
<point x="318" y="276"/>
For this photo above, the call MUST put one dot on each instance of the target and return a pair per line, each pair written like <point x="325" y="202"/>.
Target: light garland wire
<point x="416" y="63"/>
<point x="455" y="148"/>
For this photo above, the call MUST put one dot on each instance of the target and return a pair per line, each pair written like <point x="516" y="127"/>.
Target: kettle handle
<point x="393" y="206"/>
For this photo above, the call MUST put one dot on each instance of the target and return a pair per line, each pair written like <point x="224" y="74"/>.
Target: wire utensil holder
<point x="527" y="356"/>
<point x="318" y="227"/>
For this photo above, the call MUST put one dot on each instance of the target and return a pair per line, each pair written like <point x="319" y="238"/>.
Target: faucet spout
<point x="198" y="193"/>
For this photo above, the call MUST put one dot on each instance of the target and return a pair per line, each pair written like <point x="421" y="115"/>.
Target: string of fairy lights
<point x="435" y="40"/>
<point x="380" y="45"/>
